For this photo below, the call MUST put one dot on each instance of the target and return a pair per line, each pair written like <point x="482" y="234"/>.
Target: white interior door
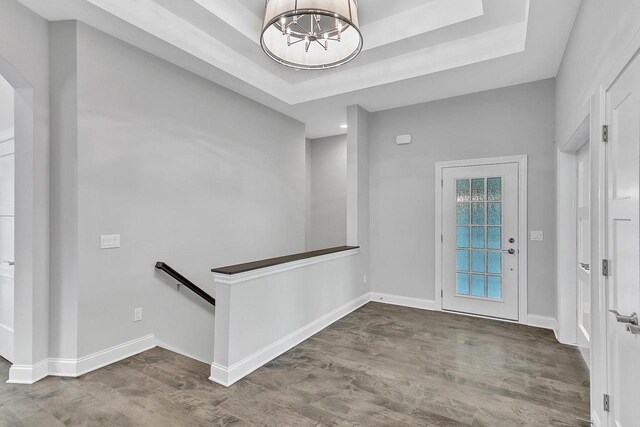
<point x="623" y="238"/>
<point x="7" y="215"/>
<point x="480" y="240"/>
<point x="583" y="243"/>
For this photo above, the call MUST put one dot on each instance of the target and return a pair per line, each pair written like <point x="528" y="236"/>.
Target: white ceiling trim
<point x="165" y="25"/>
<point x="492" y="44"/>
<point x="430" y="16"/>
<point x="236" y="15"/>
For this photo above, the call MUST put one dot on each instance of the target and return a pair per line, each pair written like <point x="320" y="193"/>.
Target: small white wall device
<point x="403" y="139"/>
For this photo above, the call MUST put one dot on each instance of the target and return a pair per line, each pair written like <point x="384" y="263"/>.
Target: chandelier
<point x="311" y="34"/>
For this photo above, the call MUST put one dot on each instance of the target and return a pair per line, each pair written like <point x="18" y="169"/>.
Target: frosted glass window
<point x="477" y="213"/>
<point x="494" y="213"/>
<point x="477" y="237"/>
<point x="477" y="190"/>
<point x="494" y="237"/>
<point x="477" y="285"/>
<point x="494" y="287"/>
<point x="494" y="262"/>
<point x="462" y="239"/>
<point x="462" y="213"/>
<point x="479" y="219"/>
<point x="494" y="189"/>
<point x="477" y="262"/>
<point x="462" y="190"/>
<point x="462" y="260"/>
<point x="462" y="284"/>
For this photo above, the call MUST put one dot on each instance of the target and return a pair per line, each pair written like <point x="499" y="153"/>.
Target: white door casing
<point x="7" y="220"/>
<point x="623" y="244"/>
<point x="583" y="246"/>
<point x="507" y="269"/>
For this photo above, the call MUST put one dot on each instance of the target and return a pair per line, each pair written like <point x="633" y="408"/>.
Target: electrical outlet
<point x="364" y="279"/>
<point x="109" y="241"/>
<point x="537" y="236"/>
<point x="137" y="314"/>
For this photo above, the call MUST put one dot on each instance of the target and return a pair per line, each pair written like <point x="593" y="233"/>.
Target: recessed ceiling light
<point x="344" y="126"/>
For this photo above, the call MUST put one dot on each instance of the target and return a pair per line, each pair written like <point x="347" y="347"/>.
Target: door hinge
<point x="441" y="238"/>
<point x="605" y="133"/>
<point x="441" y="293"/>
<point x="605" y="267"/>
<point x="605" y="402"/>
<point x="442" y="183"/>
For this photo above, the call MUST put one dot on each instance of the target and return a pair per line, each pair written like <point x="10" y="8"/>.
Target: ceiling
<point x="414" y="50"/>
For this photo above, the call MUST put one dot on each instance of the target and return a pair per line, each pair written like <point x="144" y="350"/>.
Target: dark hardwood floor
<point x="381" y="365"/>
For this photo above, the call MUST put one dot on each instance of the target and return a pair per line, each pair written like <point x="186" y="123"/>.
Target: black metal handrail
<point x="184" y="281"/>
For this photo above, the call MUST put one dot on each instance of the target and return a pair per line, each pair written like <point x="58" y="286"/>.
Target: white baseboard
<point x="595" y="419"/>
<point x="226" y="376"/>
<point x="425" y="304"/>
<point x="82" y="365"/>
<point x="29" y="374"/>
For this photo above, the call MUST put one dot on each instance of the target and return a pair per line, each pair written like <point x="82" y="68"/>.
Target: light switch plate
<point x="109" y="241"/>
<point x="537" y="236"/>
<point x="137" y="314"/>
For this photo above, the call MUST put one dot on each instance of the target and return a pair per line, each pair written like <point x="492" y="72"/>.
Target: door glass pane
<point x="479" y="205"/>
<point x="462" y="260"/>
<point x="477" y="261"/>
<point x="477" y="190"/>
<point x="462" y="284"/>
<point x="494" y="287"/>
<point x="477" y="213"/>
<point x="477" y="237"/>
<point x="462" y="213"/>
<point x="494" y="189"/>
<point x="494" y="213"/>
<point x="462" y="239"/>
<point x="477" y="285"/>
<point x="494" y="237"/>
<point x="462" y="190"/>
<point x="494" y="262"/>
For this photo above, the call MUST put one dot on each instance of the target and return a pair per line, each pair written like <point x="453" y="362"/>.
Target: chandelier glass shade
<point x="311" y="34"/>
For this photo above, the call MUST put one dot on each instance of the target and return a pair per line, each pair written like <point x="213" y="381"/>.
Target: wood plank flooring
<point x="381" y="365"/>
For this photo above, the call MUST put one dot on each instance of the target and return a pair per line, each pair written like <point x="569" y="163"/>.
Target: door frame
<point x="522" y="161"/>
<point x="31" y="274"/>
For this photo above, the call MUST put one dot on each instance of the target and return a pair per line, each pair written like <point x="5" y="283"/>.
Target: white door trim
<point x="522" y="219"/>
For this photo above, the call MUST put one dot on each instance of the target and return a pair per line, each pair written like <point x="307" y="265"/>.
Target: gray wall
<point x="327" y="209"/>
<point x="509" y="121"/>
<point x="188" y="173"/>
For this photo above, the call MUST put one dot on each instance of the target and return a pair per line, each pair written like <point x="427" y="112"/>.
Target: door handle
<point x="585" y="266"/>
<point x="9" y="263"/>
<point x="631" y="320"/>
<point x="510" y="251"/>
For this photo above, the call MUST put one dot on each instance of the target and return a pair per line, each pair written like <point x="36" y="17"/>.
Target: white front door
<point x="583" y="243"/>
<point x="623" y="246"/>
<point x="7" y="214"/>
<point x="480" y="240"/>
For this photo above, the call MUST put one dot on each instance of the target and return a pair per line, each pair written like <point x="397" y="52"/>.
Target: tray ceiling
<point x="414" y="51"/>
